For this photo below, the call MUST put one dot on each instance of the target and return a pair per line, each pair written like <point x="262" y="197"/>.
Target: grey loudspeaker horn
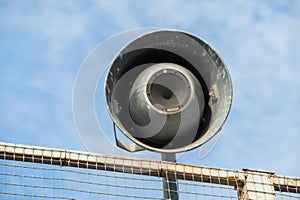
<point x="168" y="91"/>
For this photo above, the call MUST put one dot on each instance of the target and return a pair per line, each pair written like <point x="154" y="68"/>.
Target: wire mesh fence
<point x="28" y="172"/>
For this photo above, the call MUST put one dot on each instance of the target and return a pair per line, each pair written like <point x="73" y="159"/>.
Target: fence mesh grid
<point x="28" y="172"/>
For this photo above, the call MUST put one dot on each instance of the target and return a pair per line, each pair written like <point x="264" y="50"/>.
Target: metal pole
<point x="170" y="185"/>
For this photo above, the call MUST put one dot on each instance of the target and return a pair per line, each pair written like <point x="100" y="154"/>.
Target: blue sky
<point x="44" y="43"/>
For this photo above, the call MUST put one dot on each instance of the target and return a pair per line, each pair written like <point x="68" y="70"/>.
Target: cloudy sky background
<point x="43" y="44"/>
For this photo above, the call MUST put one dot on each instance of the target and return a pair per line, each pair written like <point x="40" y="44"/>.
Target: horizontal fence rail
<point x="31" y="171"/>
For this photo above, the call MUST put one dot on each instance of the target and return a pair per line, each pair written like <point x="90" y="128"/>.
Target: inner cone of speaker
<point x="171" y="93"/>
<point x="168" y="90"/>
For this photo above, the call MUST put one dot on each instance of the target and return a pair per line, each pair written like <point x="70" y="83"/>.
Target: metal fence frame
<point x="249" y="184"/>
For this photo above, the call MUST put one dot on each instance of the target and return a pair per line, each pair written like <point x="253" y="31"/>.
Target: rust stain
<point x="232" y="177"/>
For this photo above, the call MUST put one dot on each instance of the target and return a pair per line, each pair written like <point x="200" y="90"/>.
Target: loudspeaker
<point x="168" y="91"/>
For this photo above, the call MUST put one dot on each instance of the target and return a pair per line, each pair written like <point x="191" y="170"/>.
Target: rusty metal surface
<point x="239" y="179"/>
<point x="81" y="159"/>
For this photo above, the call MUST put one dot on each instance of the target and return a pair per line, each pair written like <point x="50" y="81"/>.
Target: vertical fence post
<point x="258" y="185"/>
<point x="170" y="185"/>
